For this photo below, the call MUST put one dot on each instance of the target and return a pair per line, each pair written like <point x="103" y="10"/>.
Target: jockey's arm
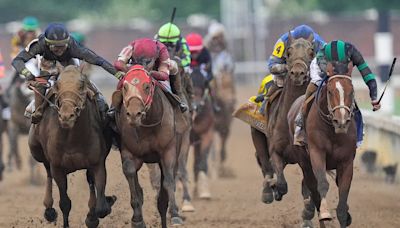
<point x="163" y="71"/>
<point x="366" y="73"/>
<point x="185" y="61"/>
<point x="24" y="56"/>
<point x="315" y="72"/>
<point x="123" y="58"/>
<point x="89" y="56"/>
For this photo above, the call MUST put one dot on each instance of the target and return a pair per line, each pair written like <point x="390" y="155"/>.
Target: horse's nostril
<point x="72" y="115"/>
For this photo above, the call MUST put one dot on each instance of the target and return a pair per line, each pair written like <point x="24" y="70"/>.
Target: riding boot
<point x="39" y="105"/>
<point x="177" y="90"/>
<point x="299" y="133"/>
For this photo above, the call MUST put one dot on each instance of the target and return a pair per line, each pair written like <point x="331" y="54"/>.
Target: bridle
<point x="329" y="117"/>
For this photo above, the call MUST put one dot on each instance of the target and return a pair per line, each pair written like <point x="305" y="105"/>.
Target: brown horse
<point x="71" y="137"/>
<point x="225" y="94"/>
<point x="331" y="136"/>
<point x="148" y="124"/>
<point x="202" y="133"/>
<point x="299" y="55"/>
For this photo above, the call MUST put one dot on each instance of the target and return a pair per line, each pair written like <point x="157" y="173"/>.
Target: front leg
<point x="65" y="203"/>
<point x="130" y="167"/>
<point x="281" y="184"/>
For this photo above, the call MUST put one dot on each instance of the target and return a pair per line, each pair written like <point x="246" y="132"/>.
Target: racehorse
<point x="331" y="137"/>
<point x="225" y="94"/>
<point x="202" y="132"/>
<point x="148" y="125"/>
<point x="70" y="137"/>
<point x="273" y="143"/>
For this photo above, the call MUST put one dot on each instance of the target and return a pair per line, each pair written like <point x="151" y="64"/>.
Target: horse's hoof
<point x="349" y="219"/>
<point x="187" y="206"/>
<point x="176" y="221"/>
<point x="103" y="212"/>
<point x="307" y="214"/>
<point x="307" y="224"/>
<point x="111" y="200"/>
<point x="267" y="197"/>
<point x="325" y="216"/>
<point x="140" y="224"/>
<point x="92" y="223"/>
<point x="277" y="196"/>
<point x="50" y="214"/>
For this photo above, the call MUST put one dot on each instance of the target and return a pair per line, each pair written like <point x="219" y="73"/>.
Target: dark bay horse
<point x="202" y="133"/>
<point x="331" y="138"/>
<point x="225" y="95"/>
<point x="147" y="123"/>
<point x="71" y="137"/>
<point x="274" y="143"/>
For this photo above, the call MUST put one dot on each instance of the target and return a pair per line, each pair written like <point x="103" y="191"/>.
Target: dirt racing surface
<point x="236" y="202"/>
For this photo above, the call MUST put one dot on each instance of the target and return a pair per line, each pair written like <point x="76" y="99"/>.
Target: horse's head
<point x="70" y="91"/>
<point x="137" y="94"/>
<point x="340" y="95"/>
<point x="299" y="55"/>
<point x="199" y="89"/>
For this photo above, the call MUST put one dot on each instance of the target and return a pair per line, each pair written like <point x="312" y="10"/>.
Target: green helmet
<point x="30" y="23"/>
<point x="80" y="37"/>
<point x="169" y="33"/>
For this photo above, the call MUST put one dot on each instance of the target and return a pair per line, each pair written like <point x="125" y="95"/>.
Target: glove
<point x="375" y="105"/>
<point x="259" y="98"/>
<point x="119" y="75"/>
<point x="28" y="75"/>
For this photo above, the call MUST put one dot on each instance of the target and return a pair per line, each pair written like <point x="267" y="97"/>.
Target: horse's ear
<point x="311" y="38"/>
<point x="116" y="99"/>
<point x="329" y="69"/>
<point x="290" y="38"/>
<point x="350" y="68"/>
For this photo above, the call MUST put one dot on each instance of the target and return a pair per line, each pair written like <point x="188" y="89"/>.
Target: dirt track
<point x="236" y="202"/>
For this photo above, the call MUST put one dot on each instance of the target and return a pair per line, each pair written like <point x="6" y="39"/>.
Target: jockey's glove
<point x="375" y="105"/>
<point x="28" y="75"/>
<point x="259" y="98"/>
<point x="119" y="75"/>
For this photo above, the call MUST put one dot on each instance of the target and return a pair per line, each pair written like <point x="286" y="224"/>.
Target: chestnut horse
<point x="202" y="133"/>
<point x="148" y="126"/>
<point x="331" y="137"/>
<point x="71" y="137"/>
<point x="273" y="143"/>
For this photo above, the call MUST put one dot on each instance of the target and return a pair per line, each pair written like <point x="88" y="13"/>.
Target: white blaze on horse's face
<point x="339" y="87"/>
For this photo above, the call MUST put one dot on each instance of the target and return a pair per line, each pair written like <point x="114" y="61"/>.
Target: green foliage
<point x="346" y="5"/>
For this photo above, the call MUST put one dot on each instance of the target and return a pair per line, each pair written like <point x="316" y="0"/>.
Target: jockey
<point x="154" y="57"/>
<point x="56" y="44"/>
<point x="340" y="54"/>
<point x="265" y="85"/>
<point x="277" y="61"/>
<point x="30" y="30"/>
<point x="201" y="58"/>
<point x="170" y="35"/>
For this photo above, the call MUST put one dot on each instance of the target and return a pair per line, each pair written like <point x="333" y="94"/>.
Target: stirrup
<point x="183" y="107"/>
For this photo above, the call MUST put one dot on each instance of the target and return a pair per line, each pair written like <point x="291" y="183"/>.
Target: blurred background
<point x="252" y="27"/>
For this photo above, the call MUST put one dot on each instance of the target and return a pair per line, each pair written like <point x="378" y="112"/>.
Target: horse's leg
<point x="1" y="152"/>
<point x="345" y="176"/>
<point x="130" y="167"/>
<point x="155" y="175"/>
<point x="168" y="163"/>
<point x="202" y="164"/>
<point x="103" y="203"/>
<point x="318" y="163"/>
<point x="311" y="197"/>
<point x="281" y="187"/>
<point x="65" y="203"/>
<point x="91" y="218"/>
<point x="50" y="213"/>
<point x="162" y="200"/>
<point x="260" y="143"/>
<point x="13" y="140"/>
<point x="182" y="174"/>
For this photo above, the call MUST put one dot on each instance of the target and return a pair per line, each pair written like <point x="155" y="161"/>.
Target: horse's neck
<point x="289" y="94"/>
<point x="157" y="107"/>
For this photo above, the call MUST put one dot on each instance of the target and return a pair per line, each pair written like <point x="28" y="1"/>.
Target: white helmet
<point x="216" y="29"/>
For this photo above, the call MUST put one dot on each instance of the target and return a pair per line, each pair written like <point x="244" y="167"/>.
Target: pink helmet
<point x="194" y="41"/>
